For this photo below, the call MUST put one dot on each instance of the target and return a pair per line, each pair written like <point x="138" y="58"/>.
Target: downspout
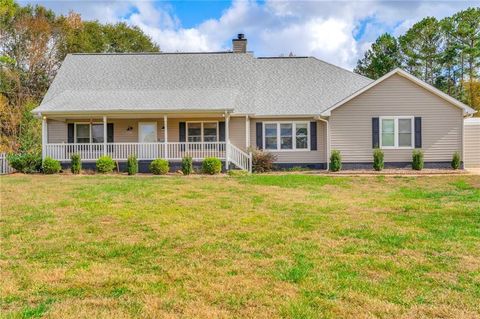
<point x="328" y="142"/>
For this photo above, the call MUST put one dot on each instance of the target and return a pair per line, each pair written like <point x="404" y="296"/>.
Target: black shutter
<point x="109" y="132"/>
<point x="313" y="136"/>
<point x="71" y="133"/>
<point x="221" y="131"/>
<point x="418" y="132"/>
<point x="182" y="132"/>
<point x="259" y="129"/>
<point x="375" y="132"/>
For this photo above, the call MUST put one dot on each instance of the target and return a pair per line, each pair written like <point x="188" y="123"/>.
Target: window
<point x="396" y="132"/>
<point x="271" y="136"/>
<point x="82" y="133"/>
<point x="97" y="133"/>
<point x="286" y="136"/>
<point x="202" y="132"/>
<point x="88" y="132"/>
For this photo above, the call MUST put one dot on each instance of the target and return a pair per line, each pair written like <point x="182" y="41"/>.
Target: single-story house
<point x="223" y="104"/>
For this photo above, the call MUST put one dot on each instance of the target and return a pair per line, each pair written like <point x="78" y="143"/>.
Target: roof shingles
<point x="215" y="81"/>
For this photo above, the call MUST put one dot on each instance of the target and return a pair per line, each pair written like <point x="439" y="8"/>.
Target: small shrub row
<point x="378" y="160"/>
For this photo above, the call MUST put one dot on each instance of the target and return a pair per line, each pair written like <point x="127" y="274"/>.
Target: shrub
<point x="456" y="160"/>
<point x="159" y="166"/>
<point x="132" y="165"/>
<point x="105" y="164"/>
<point x="378" y="160"/>
<point x="187" y="165"/>
<point x="51" y="166"/>
<point x="211" y="165"/>
<point x="335" y="161"/>
<point x="262" y="161"/>
<point x="417" y="160"/>
<point x="76" y="164"/>
<point x="25" y="162"/>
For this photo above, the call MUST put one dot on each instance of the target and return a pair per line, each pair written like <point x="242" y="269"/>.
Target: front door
<point x="147" y="133"/>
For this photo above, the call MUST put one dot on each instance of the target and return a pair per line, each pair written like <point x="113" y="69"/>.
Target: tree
<point x="422" y="46"/>
<point x="381" y="58"/>
<point x="33" y="43"/>
<point x="467" y="35"/>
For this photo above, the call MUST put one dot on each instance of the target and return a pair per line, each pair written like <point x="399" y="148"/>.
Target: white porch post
<point x="165" y="135"/>
<point x="227" y="140"/>
<point x="247" y="132"/>
<point x="44" y="136"/>
<point x="104" y="135"/>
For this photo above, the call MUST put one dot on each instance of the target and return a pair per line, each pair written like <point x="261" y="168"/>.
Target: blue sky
<point x="336" y="31"/>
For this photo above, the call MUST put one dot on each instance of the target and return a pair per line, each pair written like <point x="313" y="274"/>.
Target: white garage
<point x="472" y="143"/>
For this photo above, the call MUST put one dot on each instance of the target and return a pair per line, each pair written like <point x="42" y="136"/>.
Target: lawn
<point x="264" y="246"/>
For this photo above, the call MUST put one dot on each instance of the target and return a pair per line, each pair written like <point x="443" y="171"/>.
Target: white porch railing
<point x="241" y="159"/>
<point x="151" y="151"/>
<point x="143" y="151"/>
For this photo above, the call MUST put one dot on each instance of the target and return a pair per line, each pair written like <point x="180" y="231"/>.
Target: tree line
<point x="444" y="53"/>
<point x="33" y="43"/>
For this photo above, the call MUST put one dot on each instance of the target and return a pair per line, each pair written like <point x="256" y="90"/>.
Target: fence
<point x="4" y="167"/>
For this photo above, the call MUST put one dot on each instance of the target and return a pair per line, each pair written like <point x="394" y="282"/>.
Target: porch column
<point x="247" y="132"/>
<point x="104" y="135"/>
<point x="44" y="136"/>
<point x="165" y="135"/>
<point x="227" y="140"/>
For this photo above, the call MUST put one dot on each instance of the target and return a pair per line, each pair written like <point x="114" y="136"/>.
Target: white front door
<point x="147" y="132"/>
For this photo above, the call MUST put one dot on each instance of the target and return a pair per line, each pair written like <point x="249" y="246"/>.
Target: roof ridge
<point x="147" y="53"/>
<point x="343" y="69"/>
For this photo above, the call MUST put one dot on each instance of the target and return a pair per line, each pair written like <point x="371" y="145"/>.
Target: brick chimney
<point x="239" y="44"/>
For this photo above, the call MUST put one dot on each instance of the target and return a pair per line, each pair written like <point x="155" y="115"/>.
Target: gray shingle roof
<point x="198" y="81"/>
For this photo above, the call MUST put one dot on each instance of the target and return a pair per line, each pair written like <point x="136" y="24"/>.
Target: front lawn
<point x="265" y="246"/>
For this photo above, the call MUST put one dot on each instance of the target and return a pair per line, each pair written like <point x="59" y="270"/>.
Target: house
<point x="167" y="105"/>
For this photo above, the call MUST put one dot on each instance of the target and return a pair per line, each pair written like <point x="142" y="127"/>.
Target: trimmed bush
<point x="211" y="165"/>
<point x="25" y="162"/>
<point x="262" y="161"/>
<point x="159" y="166"/>
<point x="335" y="161"/>
<point x="417" y="160"/>
<point x="132" y="165"/>
<point x="105" y="164"/>
<point x="51" y="166"/>
<point x="187" y="165"/>
<point x="378" y="160"/>
<point x="456" y="160"/>
<point x="76" y="162"/>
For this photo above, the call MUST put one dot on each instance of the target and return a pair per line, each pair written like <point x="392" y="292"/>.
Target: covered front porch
<point x="147" y="136"/>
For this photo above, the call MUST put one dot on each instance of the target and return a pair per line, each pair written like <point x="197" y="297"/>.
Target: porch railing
<point x="143" y="151"/>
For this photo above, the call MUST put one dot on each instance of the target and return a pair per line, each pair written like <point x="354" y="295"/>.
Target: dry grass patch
<point x="263" y="246"/>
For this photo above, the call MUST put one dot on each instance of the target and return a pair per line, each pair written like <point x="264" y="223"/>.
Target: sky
<point x="338" y="32"/>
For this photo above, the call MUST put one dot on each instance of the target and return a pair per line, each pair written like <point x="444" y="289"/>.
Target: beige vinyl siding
<point x="237" y="132"/>
<point x="56" y="131"/>
<point x="472" y="144"/>
<point x="351" y="123"/>
<point x="301" y="157"/>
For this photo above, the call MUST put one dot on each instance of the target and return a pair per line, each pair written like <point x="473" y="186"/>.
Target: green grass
<point x="261" y="246"/>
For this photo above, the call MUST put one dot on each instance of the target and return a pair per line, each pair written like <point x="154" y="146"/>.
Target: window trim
<point x="201" y="131"/>
<point x="396" y="132"/>
<point x="90" y="141"/>
<point x="294" y="136"/>
<point x="156" y="131"/>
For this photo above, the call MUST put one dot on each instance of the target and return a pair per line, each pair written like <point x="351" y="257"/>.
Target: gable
<point x="399" y="85"/>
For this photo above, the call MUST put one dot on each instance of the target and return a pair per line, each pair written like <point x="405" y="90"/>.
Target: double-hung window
<point x="88" y="133"/>
<point x="279" y="136"/>
<point x="396" y="132"/>
<point x="202" y="132"/>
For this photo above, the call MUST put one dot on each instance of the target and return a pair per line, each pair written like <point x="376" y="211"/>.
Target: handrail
<point x="241" y="159"/>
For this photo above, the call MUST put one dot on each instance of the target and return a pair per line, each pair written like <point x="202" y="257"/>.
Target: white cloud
<point x="325" y="29"/>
